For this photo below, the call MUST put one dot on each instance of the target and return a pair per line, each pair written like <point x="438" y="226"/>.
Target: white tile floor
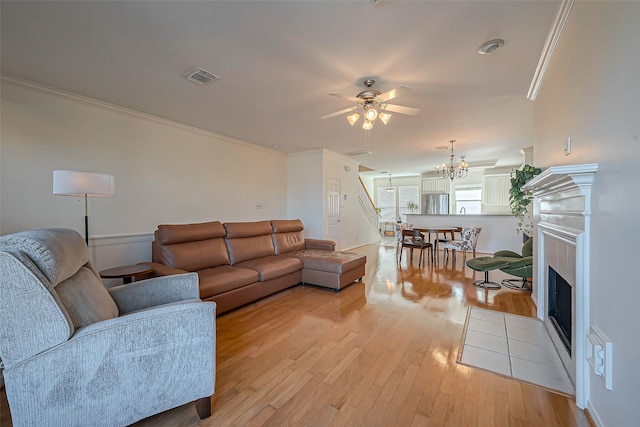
<point x="514" y="346"/>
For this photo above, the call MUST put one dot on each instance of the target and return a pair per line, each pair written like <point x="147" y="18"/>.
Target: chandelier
<point x="453" y="170"/>
<point x="390" y="188"/>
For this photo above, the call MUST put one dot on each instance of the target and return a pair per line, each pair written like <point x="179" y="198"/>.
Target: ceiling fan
<point x="371" y="101"/>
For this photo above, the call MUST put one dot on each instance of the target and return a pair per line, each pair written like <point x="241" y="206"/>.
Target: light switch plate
<point x="567" y="147"/>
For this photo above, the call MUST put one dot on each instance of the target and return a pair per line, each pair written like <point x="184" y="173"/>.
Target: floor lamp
<point x="87" y="184"/>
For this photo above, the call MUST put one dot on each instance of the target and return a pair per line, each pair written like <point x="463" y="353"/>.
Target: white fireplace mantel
<point x="563" y="210"/>
<point x="562" y="178"/>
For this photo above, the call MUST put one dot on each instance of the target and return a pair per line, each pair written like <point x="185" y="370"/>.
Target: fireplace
<point x="562" y="261"/>
<point x="560" y="303"/>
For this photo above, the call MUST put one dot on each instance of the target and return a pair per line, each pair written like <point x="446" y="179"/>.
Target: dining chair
<point x="414" y="239"/>
<point x="467" y="242"/>
<point x="445" y="238"/>
<point x="399" y="228"/>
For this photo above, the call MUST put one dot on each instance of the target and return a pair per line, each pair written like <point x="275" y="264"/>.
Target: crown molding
<point x="547" y="52"/>
<point x="113" y="107"/>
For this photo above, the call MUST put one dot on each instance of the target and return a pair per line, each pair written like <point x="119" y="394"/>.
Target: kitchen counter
<point x="498" y="231"/>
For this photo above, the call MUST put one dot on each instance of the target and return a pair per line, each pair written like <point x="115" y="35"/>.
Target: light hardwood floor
<point x="378" y="353"/>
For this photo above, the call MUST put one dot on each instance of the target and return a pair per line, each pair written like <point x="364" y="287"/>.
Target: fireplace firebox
<point x="560" y="307"/>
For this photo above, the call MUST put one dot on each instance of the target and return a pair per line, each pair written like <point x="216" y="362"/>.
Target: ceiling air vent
<point x="200" y="76"/>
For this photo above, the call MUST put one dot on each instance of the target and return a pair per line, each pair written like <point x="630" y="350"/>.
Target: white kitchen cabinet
<point x="435" y="185"/>
<point x="495" y="189"/>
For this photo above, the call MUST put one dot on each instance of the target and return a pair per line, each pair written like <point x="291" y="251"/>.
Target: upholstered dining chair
<point x="414" y="239"/>
<point x="467" y="242"/>
<point x="77" y="354"/>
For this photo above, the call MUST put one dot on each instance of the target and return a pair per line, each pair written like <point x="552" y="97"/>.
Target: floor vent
<point x="200" y="76"/>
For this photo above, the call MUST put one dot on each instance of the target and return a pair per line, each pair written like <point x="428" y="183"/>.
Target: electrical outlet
<point x="600" y="356"/>
<point x="567" y="147"/>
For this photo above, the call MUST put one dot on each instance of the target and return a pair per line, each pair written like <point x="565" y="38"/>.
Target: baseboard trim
<point x="592" y="415"/>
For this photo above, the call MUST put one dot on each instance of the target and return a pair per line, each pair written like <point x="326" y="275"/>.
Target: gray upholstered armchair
<point x="77" y="354"/>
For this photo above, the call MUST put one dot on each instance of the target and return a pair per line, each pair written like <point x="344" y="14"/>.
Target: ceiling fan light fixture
<point x="370" y="114"/>
<point x="368" y="124"/>
<point x="353" y="118"/>
<point x="384" y="117"/>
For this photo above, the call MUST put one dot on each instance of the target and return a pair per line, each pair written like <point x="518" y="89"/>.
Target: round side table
<point x="127" y="273"/>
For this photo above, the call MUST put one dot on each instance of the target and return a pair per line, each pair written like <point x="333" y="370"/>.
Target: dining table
<point x="438" y="230"/>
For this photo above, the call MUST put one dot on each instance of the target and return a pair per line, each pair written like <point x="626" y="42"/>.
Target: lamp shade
<point x="73" y="183"/>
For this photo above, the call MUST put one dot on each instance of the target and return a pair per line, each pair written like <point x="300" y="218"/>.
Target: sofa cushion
<point x="194" y="256"/>
<point x="248" y="240"/>
<point x="214" y="281"/>
<point x="169" y="234"/>
<point x="272" y="267"/>
<point x="287" y="235"/>
<point x="86" y="299"/>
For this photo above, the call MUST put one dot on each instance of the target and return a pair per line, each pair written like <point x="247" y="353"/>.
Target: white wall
<point x="164" y="172"/>
<point x="355" y="227"/>
<point x="591" y="93"/>
<point x="307" y="174"/>
<point x="305" y="191"/>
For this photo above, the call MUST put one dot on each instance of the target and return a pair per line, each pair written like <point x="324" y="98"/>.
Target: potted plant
<point x="520" y="200"/>
<point x="412" y="207"/>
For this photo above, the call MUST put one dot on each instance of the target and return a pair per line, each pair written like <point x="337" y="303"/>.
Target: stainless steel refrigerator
<point x="435" y="204"/>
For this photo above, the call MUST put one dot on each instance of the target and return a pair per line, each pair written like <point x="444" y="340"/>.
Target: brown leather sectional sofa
<point x="240" y="262"/>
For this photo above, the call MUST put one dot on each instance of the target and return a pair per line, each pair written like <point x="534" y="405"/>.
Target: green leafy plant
<point x="412" y="206"/>
<point x="520" y="200"/>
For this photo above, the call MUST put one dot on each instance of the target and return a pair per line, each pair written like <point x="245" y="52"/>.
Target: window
<point x="408" y="194"/>
<point x="468" y="199"/>
<point x="395" y="204"/>
<point x="387" y="202"/>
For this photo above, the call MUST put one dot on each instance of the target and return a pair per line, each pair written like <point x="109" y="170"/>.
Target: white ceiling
<point x="278" y="60"/>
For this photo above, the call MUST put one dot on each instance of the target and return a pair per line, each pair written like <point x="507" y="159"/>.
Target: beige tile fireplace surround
<point x="562" y="206"/>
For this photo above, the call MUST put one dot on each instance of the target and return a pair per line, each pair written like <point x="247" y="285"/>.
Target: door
<point x="333" y="210"/>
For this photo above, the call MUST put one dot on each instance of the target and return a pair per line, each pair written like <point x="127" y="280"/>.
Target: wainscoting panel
<point x="118" y="250"/>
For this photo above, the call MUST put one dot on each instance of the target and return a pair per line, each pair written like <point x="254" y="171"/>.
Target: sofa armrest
<point x="325" y="245"/>
<point x="163" y="270"/>
<point x="154" y="292"/>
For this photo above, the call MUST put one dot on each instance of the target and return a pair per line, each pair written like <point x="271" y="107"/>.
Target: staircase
<point x="367" y="204"/>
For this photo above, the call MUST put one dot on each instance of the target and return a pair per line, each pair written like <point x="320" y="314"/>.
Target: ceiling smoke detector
<point x="200" y="76"/>
<point x="490" y="47"/>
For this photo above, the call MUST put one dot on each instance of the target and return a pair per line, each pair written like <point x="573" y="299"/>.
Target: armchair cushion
<point x="86" y="299"/>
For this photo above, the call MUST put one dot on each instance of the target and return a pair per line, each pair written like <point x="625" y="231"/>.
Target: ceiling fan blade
<point x="390" y="94"/>
<point x="410" y="111"/>
<point x="337" y="113"/>
<point x="349" y="97"/>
